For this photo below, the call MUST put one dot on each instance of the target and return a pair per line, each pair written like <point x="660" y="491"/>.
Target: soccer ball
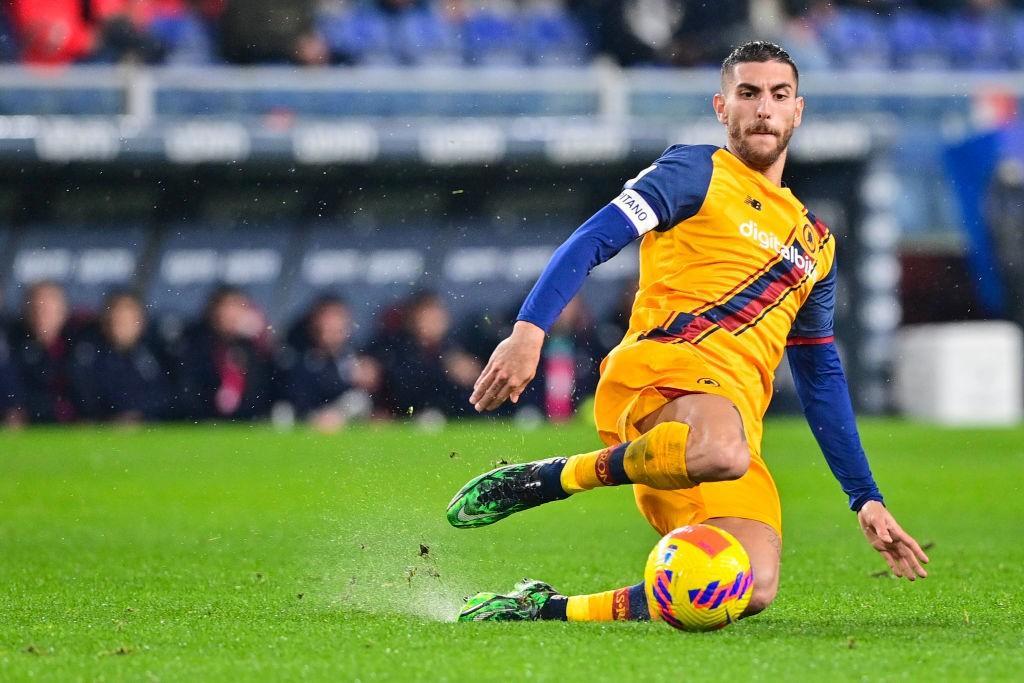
<point x="698" y="578"/>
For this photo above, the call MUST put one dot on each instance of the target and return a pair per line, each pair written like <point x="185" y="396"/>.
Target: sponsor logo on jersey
<point x="708" y="381"/>
<point x="768" y="240"/>
<point x="637" y="211"/>
<point x="755" y="203"/>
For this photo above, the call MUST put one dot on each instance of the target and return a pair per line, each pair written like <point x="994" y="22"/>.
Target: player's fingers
<point x="500" y="396"/>
<point x="907" y="553"/>
<point x="912" y="544"/>
<point x="887" y="556"/>
<point x="483" y="385"/>
<point x="882" y="531"/>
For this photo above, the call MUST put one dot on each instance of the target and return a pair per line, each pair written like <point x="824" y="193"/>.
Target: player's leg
<point x="692" y="439"/>
<point x="764" y="547"/>
<point x="537" y="601"/>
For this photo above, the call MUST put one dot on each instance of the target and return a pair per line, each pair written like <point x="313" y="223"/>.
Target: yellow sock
<point x="657" y="459"/>
<point x="623" y="604"/>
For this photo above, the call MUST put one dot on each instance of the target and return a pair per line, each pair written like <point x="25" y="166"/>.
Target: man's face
<point x="331" y="327"/>
<point x="125" y="322"/>
<point x="760" y="108"/>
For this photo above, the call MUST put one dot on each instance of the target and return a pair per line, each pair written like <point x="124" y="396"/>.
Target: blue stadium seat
<point x="359" y="35"/>
<point x="89" y="262"/>
<point x="193" y="261"/>
<point x="493" y="38"/>
<point x="856" y="39"/>
<point x="553" y="38"/>
<point x="981" y="42"/>
<point x="428" y="39"/>
<point x="917" y="40"/>
<point x="185" y="37"/>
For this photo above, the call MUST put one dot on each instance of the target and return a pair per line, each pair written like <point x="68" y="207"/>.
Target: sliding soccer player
<point x="734" y="271"/>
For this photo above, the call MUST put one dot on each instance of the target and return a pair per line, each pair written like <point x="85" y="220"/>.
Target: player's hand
<point x="899" y="549"/>
<point x="511" y="367"/>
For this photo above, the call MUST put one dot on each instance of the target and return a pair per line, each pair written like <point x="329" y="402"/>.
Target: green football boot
<point x="522" y="604"/>
<point x="495" y="495"/>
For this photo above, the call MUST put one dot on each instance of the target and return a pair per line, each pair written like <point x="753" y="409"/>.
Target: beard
<point x="758" y="159"/>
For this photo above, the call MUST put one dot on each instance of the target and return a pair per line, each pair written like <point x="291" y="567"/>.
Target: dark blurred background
<point x="330" y="211"/>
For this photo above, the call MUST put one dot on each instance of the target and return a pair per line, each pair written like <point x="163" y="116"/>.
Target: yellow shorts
<point x="640" y="377"/>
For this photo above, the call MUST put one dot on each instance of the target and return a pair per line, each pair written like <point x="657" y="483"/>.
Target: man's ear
<point x="718" y="103"/>
<point x="799" y="112"/>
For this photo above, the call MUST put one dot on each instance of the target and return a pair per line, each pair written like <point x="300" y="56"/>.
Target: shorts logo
<point x="620" y="605"/>
<point x="602" y="468"/>
<point x="708" y="382"/>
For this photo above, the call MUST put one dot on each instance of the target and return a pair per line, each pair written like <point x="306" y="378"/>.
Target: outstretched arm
<point x="825" y="397"/>
<point x="514" y="361"/>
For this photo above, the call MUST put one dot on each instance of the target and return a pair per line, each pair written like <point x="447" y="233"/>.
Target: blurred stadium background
<point x="330" y="210"/>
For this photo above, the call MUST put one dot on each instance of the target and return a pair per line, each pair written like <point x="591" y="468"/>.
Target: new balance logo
<point x="750" y="201"/>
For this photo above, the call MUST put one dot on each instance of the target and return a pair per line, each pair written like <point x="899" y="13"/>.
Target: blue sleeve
<point x="593" y="243"/>
<point x="676" y="184"/>
<point x="825" y="397"/>
<point x="814" y="320"/>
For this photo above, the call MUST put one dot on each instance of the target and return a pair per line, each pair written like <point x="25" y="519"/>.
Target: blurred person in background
<point x="223" y="362"/>
<point x="40" y="346"/>
<point x="325" y="380"/>
<point x="427" y="374"/>
<point x="116" y="375"/>
<point x="11" y="411"/>
<point x="105" y="31"/>
<point x="568" y="367"/>
<point x="271" y="31"/>
<point x="678" y="32"/>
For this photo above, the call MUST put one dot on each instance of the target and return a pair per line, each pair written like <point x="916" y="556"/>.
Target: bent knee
<point x="724" y="461"/>
<point x="764" y="591"/>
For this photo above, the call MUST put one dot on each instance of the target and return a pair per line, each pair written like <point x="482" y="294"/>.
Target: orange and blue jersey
<point x="734" y="266"/>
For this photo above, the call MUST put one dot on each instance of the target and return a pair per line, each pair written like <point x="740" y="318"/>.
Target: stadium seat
<point x="359" y="36"/>
<point x="492" y="37"/>
<point x="979" y="42"/>
<point x="856" y="39"/>
<point x="185" y="38"/>
<point x="89" y="262"/>
<point x="917" y="41"/>
<point x="552" y="37"/>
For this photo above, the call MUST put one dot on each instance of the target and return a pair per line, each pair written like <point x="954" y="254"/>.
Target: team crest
<point x="810" y="238"/>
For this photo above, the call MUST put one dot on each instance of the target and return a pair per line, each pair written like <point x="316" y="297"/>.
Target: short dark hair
<point x="758" y="51"/>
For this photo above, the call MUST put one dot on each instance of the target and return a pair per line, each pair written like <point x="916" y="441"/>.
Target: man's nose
<point x="763" y="108"/>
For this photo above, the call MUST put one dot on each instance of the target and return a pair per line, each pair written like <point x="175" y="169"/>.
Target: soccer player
<point x="734" y="271"/>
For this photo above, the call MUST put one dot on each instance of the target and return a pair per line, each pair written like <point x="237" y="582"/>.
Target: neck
<point x="774" y="172"/>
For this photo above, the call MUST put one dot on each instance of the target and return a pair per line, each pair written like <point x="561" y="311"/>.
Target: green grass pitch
<point x="235" y="553"/>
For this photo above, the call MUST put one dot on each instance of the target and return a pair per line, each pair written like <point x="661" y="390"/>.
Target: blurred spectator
<point x="116" y="375"/>
<point x="11" y="411"/>
<point x="427" y="374"/>
<point x="224" y="363"/>
<point x="679" y="32"/>
<point x="64" y="31"/>
<point x="325" y="380"/>
<point x="40" y="350"/>
<point x="275" y="31"/>
<point x="568" y="369"/>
